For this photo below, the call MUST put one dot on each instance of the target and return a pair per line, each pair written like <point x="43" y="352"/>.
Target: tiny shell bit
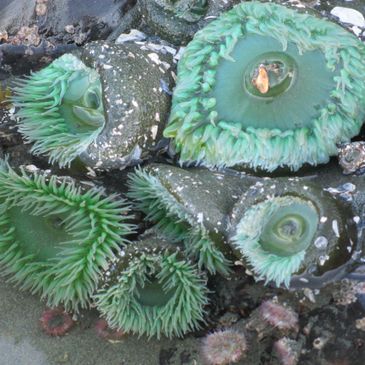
<point x="351" y="157"/>
<point x="264" y="86"/>
<point x="103" y="104"/>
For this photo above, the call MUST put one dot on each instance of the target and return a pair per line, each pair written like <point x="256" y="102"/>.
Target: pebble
<point x="133" y="36"/>
<point x="348" y="15"/>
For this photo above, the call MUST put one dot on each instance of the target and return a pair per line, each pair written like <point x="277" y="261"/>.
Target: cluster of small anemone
<point x="68" y="241"/>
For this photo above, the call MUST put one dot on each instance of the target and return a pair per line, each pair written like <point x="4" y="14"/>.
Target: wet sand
<point x="22" y="341"/>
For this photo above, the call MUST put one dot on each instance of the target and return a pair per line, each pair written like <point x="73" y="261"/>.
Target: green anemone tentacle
<point x="153" y="289"/>
<point x="60" y="109"/>
<point x="165" y="209"/>
<point x="266" y="87"/>
<point x="55" y="237"/>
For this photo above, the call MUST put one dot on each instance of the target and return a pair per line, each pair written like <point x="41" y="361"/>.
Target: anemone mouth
<point x="38" y="236"/>
<point x="55" y="238"/>
<point x="60" y="109"/>
<point x="266" y="87"/>
<point x="164" y="208"/>
<point x="269" y="75"/>
<point x="290" y="227"/>
<point x="153" y="294"/>
<point x="157" y="292"/>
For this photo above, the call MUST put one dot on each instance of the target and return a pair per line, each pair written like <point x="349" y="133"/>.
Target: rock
<point x="15" y="14"/>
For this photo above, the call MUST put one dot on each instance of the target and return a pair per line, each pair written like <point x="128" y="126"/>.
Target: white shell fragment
<point x="348" y="15"/>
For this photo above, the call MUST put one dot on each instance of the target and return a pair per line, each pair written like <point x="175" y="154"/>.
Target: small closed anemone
<point x="266" y="87"/>
<point x="56" y="236"/>
<point x="293" y="233"/>
<point x="190" y="206"/>
<point x="60" y="109"/>
<point x="152" y="289"/>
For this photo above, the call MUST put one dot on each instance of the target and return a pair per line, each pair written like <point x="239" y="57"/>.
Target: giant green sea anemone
<point x="191" y="206"/>
<point x="266" y="87"/>
<point x="103" y="104"/>
<point x="55" y="236"/>
<point x="153" y="289"/>
<point x="284" y="228"/>
<point x="61" y="109"/>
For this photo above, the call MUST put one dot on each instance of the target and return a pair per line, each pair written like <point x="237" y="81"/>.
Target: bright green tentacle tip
<point x="55" y="237"/>
<point x="163" y="208"/>
<point x="266" y="87"/>
<point x="60" y="109"/>
<point x="153" y="290"/>
<point x="273" y="236"/>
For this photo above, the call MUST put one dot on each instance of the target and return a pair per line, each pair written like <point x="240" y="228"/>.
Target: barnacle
<point x="265" y="86"/>
<point x="288" y="228"/>
<point x="153" y="289"/>
<point x="60" y="108"/>
<point x="190" y="206"/>
<point x="55" y="236"/>
<point x="93" y="105"/>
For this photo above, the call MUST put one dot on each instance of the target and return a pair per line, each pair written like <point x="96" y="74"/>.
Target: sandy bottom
<point x="22" y="341"/>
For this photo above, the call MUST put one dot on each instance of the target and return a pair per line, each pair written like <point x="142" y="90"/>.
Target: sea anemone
<point x="265" y="86"/>
<point x="104" y="331"/>
<point x="190" y="206"/>
<point x="55" y="236"/>
<point x="224" y="347"/>
<point x="287" y="226"/>
<point x="279" y="316"/>
<point x="273" y="319"/>
<point x="153" y="289"/>
<point x="60" y="108"/>
<point x="56" y="322"/>
<point x="287" y="351"/>
<point x="93" y="105"/>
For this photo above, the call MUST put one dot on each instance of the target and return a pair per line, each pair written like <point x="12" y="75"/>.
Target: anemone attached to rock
<point x="93" y="105"/>
<point x="55" y="236"/>
<point x="152" y="289"/>
<point x="60" y="108"/>
<point x="292" y="229"/>
<point x="190" y="206"/>
<point x="265" y="87"/>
